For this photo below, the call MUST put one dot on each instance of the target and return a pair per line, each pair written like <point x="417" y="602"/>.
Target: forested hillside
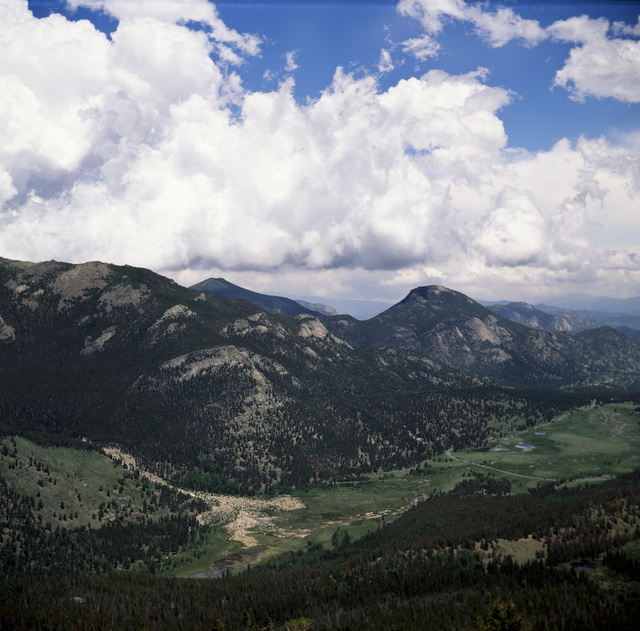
<point x="433" y="568"/>
<point x="218" y="395"/>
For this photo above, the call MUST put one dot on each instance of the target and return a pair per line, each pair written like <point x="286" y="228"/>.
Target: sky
<point x="347" y="149"/>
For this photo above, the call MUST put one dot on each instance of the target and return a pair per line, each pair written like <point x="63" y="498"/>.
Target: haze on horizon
<point x="348" y="150"/>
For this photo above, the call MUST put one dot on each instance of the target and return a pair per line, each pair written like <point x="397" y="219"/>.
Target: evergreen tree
<point x="501" y="616"/>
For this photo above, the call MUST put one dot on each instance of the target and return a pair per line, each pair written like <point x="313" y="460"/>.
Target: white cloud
<point x="385" y="64"/>
<point x="599" y="66"/>
<point x="421" y="47"/>
<point x="141" y="150"/>
<point x="291" y="61"/>
<point x="513" y="232"/>
<point x="50" y="78"/>
<point x="431" y="13"/>
<point x="502" y="26"/>
<point x="497" y="27"/>
<point x="226" y="41"/>
<point x="622" y="28"/>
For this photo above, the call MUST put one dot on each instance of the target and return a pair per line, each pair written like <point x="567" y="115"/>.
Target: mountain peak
<point x="438" y="296"/>
<point x="429" y="291"/>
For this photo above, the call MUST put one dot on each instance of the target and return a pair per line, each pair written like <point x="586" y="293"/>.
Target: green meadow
<point x="72" y="487"/>
<point x="587" y="446"/>
<point x="356" y="508"/>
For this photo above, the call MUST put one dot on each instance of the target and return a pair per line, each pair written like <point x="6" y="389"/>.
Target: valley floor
<point x="546" y="527"/>
<point x="589" y="446"/>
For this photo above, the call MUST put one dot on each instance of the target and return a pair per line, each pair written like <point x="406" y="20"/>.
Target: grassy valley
<point x="591" y="445"/>
<point x="447" y="550"/>
<point x="81" y="489"/>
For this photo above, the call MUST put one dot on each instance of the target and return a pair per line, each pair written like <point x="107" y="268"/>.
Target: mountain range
<point x="220" y="394"/>
<point x="553" y="318"/>
<point x="493" y="348"/>
<point x="598" y="304"/>
<point x="217" y="394"/>
<point x="455" y="331"/>
<point x="620" y="314"/>
<point x="545" y="318"/>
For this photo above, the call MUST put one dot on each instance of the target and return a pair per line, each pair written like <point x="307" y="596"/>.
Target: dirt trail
<point x="246" y="517"/>
<point x="240" y="516"/>
<point x="486" y="466"/>
<point x="600" y="478"/>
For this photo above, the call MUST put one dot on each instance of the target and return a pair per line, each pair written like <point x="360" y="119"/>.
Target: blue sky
<point x="347" y="149"/>
<point x="325" y="34"/>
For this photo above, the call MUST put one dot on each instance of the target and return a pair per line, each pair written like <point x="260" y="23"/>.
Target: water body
<point x="525" y="447"/>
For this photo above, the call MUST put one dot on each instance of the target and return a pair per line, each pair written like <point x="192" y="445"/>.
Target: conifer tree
<point x="501" y="616"/>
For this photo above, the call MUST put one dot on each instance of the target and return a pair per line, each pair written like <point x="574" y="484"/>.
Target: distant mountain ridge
<point x="273" y="304"/>
<point x="459" y="333"/>
<point x="552" y="318"/>
<point x="537" y="318"/>
<point x="600" y="304"/>
<point x="318" y="307"/>
<point x="541" y="316"/>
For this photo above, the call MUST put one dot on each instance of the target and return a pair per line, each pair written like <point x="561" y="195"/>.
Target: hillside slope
<point x="273" y="304"/>
<point x="215" y="393"/>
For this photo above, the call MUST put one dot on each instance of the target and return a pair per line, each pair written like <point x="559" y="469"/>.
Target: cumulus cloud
<point x="513" y="231"/>
<point x="228" y="43"/>
<point x="599" y="66"/>
<point x="142" y="149"/>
